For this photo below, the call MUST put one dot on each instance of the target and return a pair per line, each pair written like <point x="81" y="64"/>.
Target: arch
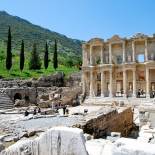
<point x="17" y="96"/>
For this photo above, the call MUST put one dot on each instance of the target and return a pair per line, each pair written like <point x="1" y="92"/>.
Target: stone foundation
<point x="109" y="120"/>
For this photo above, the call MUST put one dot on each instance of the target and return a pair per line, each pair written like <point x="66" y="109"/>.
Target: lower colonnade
<point x="113" y="82"/>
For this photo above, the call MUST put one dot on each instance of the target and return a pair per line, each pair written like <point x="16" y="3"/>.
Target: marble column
<point x="147" y="83"/>
<point x="133" y="51"/>
<point x="91" y="57"/>
<point x="146" y="50"/>
<point x="134" y="83"/>
<point x="101" y="54"/>
<point x="102" y="83"/>
<point x="110" y="53"/>
<point x="110" y="86"/>
<point x="123" y="46"/>
<point x="84" y="56"/>
<point x="124" y="83"/>
<point x="91" y="92"/>
<point x="83" y="83"/>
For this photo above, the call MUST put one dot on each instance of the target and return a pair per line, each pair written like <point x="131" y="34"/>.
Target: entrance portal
<point x="119" y="88"/>
<point x="17" y="96"/>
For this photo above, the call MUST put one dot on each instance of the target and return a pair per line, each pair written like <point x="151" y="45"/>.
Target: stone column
<point x="134" y="83"/>
<point x="102" y="83"/>
<point x="101" y="54"/>
<point x="110" y="53"/>
<point x="84" y="56"/>
<point x="91" y="92"/>
<point x="146" y="50"/>
<point x="123" y="46"/>
<point x="147" y="83"/>
<point x="124" y="83"/>
<point x="83" y="83"/>
<point x="133" y="51"/>
<point x="110" y="86"/>
<point x="91" y="52"/>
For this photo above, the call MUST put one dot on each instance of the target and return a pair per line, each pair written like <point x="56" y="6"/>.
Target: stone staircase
<point x="5" y="101"/>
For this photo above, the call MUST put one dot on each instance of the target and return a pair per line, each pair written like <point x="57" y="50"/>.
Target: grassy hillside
<point x="30" y="33"/>
<point x="68" y="49"/>
<point x="16" y="73"/>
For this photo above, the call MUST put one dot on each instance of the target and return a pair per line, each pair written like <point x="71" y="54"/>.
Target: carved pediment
<point x="96" y="41"/>
<point x="139" y="35"/>
<point x="115" y="38"/>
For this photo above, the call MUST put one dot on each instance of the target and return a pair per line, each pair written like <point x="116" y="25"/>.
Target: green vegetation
<point x="68" y="50"/>
<point x="22" y="57"/>
<point x="55" y="56"/>
<point x="30" y="33"/>
<point x="9" y="54"/>
<point x="46" y="60"/>
<point x="35" y="61"/>
<point x="26" y="73"/>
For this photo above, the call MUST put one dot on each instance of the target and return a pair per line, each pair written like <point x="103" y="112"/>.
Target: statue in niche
<point x="130" y="86"/>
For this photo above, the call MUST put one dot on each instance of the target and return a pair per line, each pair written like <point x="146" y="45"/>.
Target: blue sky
<point x="84" y="19"/>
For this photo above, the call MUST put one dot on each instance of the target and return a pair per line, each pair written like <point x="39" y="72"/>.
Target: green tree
<point x="55" y="56"/>
<point x="22" y="57"/>
<point x="9" y="54"/>
<point x="35" y="62"/>
<point x="46" y="56"/>
<point x="69" y="63"/>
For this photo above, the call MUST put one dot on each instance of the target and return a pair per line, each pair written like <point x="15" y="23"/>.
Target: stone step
<point x="5" y="102"/>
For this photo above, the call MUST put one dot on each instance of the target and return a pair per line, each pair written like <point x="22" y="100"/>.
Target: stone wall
<point x="29" y="94"/>
<point x="111" y="121"/>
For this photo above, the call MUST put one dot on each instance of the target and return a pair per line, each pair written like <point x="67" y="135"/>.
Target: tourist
<point x="26" y="113"/>
<point x="139" y="93"/>
<point x="85" y="111"/>
<point x="67" y="111"/>
<point x="34" y="112"/>
<point x="39" y="110"/>
<point x="64" y="109"/>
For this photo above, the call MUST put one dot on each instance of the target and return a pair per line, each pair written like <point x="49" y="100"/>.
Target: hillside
<point x="69" y="50"/>
<point x="30" y="33"/>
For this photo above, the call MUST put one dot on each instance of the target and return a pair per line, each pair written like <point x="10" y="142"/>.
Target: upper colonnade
<point x="117" y="50"/>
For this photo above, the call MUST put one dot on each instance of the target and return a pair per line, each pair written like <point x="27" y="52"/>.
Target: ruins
<point x="119" y="68"/>
<point x="110" y="104"/>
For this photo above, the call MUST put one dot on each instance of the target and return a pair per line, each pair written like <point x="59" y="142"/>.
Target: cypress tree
<point x="46" y="56"/>
<point x="35" y="62"/>
<point x="9" y="54"/>
<point x="22" y="57"/>
<point x="55" y="59"/>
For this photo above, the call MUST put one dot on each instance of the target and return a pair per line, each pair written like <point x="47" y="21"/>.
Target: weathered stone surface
<point x="44" y="97"/>
<point x="107" y="120"/>
<point x="56" y="141"/>
<point x="45" y="104"/>
<point x="73" y="80"/>
<point x="70" y="96"/>
<point x="2" y="147"/>
<point x="20" y="103"/>
<point x="128" y="146"/>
